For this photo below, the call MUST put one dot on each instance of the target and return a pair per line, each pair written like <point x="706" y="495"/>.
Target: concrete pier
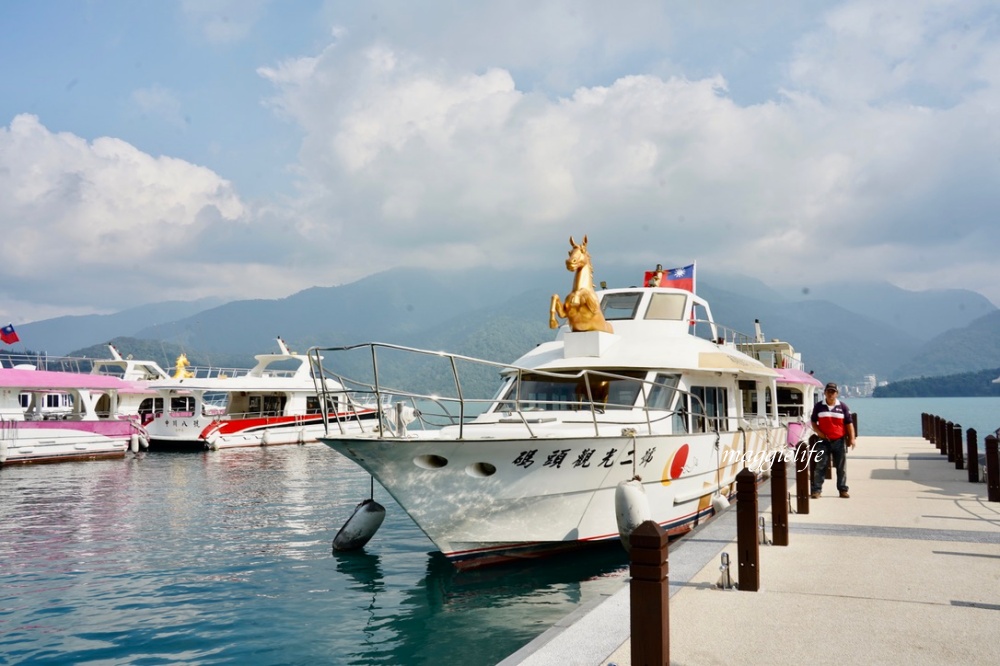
<point x="905" y="571"/>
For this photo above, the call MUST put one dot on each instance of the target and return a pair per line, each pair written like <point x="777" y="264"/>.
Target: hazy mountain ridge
<point x="499" y="315"/>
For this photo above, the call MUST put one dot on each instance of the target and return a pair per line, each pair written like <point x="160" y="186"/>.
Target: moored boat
<point x="640" y="384"/>
<point x="87" y="425"/>
<point x="275" y="402"/>
<point x="797" y="390"/>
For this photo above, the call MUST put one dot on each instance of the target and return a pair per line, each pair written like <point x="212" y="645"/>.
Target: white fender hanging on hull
<point x="631" y="508"/>
<point x="360" y="527"/>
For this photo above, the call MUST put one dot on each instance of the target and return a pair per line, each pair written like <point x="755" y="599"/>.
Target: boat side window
<point x="274" y="405"/>
<point x="313" y="404"/>
<point x="183" y="404"/>
<point x="666" y="306"/>
<point x="790" y="402"/>
<point x="620" y="306"/>
<point x="662" y="391"/>
<point x="537" y="392"/>
<point x="681" y="413"/>
<point x="709" y="408"/>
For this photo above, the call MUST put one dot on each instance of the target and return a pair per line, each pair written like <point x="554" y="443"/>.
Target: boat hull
<point x="23" y="442"/>
<point x="492" y="499"/>
<point x="228" y="433"/>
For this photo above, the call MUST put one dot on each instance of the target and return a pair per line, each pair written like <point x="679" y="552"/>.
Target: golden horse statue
<point x="581" y="308"/>
<point x="181" y="371"/>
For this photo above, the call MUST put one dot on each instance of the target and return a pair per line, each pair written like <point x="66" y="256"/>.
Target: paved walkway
<point x="906" y="571"/>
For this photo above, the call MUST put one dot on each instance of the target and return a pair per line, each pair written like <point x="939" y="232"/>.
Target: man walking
<point x="832" y="421"/>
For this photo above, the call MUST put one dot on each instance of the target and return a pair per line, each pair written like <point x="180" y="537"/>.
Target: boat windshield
<point x="620" y="306"/>
<point x="551" y="393"/>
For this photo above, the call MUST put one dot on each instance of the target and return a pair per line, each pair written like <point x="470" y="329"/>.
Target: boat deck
<point x="906" y="571"/>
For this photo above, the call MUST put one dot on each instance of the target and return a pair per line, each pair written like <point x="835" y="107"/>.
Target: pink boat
<point x="89" y="427"/>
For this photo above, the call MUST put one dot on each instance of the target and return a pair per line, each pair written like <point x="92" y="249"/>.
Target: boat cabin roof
<point x="37" y="380"/>
<point x="654" y="328"/>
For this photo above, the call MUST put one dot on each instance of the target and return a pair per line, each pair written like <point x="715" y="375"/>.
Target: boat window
<point x="709" y="408"/>
<point x="790" y="402"/>
<point x="183" y="404"/>
<point x="662" y="391"/>
<point x="267" y="405"/>
<point x="313" y="403"/>
<point x="681" y="413"/>
<point x="666" y="306"/>
<point x="547" y="393"/>
<point x="620" y="306"/>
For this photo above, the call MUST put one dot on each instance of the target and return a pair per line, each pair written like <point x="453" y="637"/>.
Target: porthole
<point x="481" y="470"/>
<point x="430" y="461"/>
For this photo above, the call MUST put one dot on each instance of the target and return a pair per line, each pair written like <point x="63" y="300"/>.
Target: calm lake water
<point x="225" y="558"/>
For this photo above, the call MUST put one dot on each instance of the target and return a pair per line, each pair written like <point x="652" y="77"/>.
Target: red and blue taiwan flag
<point x="678" y="278"/>
<point x="9" y="335"/>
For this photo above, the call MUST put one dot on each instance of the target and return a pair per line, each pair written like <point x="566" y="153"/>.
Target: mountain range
<point x="845" y="331"/>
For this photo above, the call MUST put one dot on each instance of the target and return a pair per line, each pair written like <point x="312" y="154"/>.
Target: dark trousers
<point x="824" y="451"/>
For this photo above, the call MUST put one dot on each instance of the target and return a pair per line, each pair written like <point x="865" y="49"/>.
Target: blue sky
<point x="173" y="150"/>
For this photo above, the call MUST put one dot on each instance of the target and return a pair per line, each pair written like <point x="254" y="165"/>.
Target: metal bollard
<point x="779" y="499"/>
<point x="972" y="452"/>
<point x="726" y="578"/>
<point x="956" y="437"/>
<point x="748" y="565"/>
<point x="802" y="478"/>
<point x="649" y="592"/>
<point x="764" y="541"/>
<point x="992" y="469"/>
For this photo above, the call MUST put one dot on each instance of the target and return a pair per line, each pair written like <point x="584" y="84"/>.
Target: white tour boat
<point x="797" y="390"/>
<point x="275" y="402"/>
<point x="89" y="426"/>
<point x="642" y="385"/>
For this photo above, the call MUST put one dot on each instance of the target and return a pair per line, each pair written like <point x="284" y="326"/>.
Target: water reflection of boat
<point x="508" y="605"/>
<point x="657" y="391"/>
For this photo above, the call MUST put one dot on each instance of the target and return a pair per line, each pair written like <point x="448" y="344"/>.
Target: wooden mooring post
<point x="992" y="469"/>
<point x="972" y="451"/>
<point x="649" y="592"/>
<point x="779" y="499"/>
<point x="802" y="478"/>
<point x="949" y="439"/>
<point x="956" y="443"/>
<point x="746" y="531"/>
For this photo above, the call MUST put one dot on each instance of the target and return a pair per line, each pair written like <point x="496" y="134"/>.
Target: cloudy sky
<point x="173" y="150"/>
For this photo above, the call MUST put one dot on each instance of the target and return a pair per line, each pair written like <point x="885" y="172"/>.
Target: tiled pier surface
<point x="906" y="571"/>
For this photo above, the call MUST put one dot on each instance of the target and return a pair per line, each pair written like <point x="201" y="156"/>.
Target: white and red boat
<point x="275" y="402"/>
<point x="656" y="391"/>
<point x="87" y="425"/>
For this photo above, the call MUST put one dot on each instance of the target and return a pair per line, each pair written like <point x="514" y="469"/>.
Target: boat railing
<point x="86" y="365"/>
<point x="450" y="401"/>
<point x="720" y="334"/>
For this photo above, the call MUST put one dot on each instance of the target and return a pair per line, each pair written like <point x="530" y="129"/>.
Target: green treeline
<point x="963" y="385"/>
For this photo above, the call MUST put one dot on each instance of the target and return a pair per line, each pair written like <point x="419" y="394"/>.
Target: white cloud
<point x="73" y="208"/>
<point x="489" y="135"/>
